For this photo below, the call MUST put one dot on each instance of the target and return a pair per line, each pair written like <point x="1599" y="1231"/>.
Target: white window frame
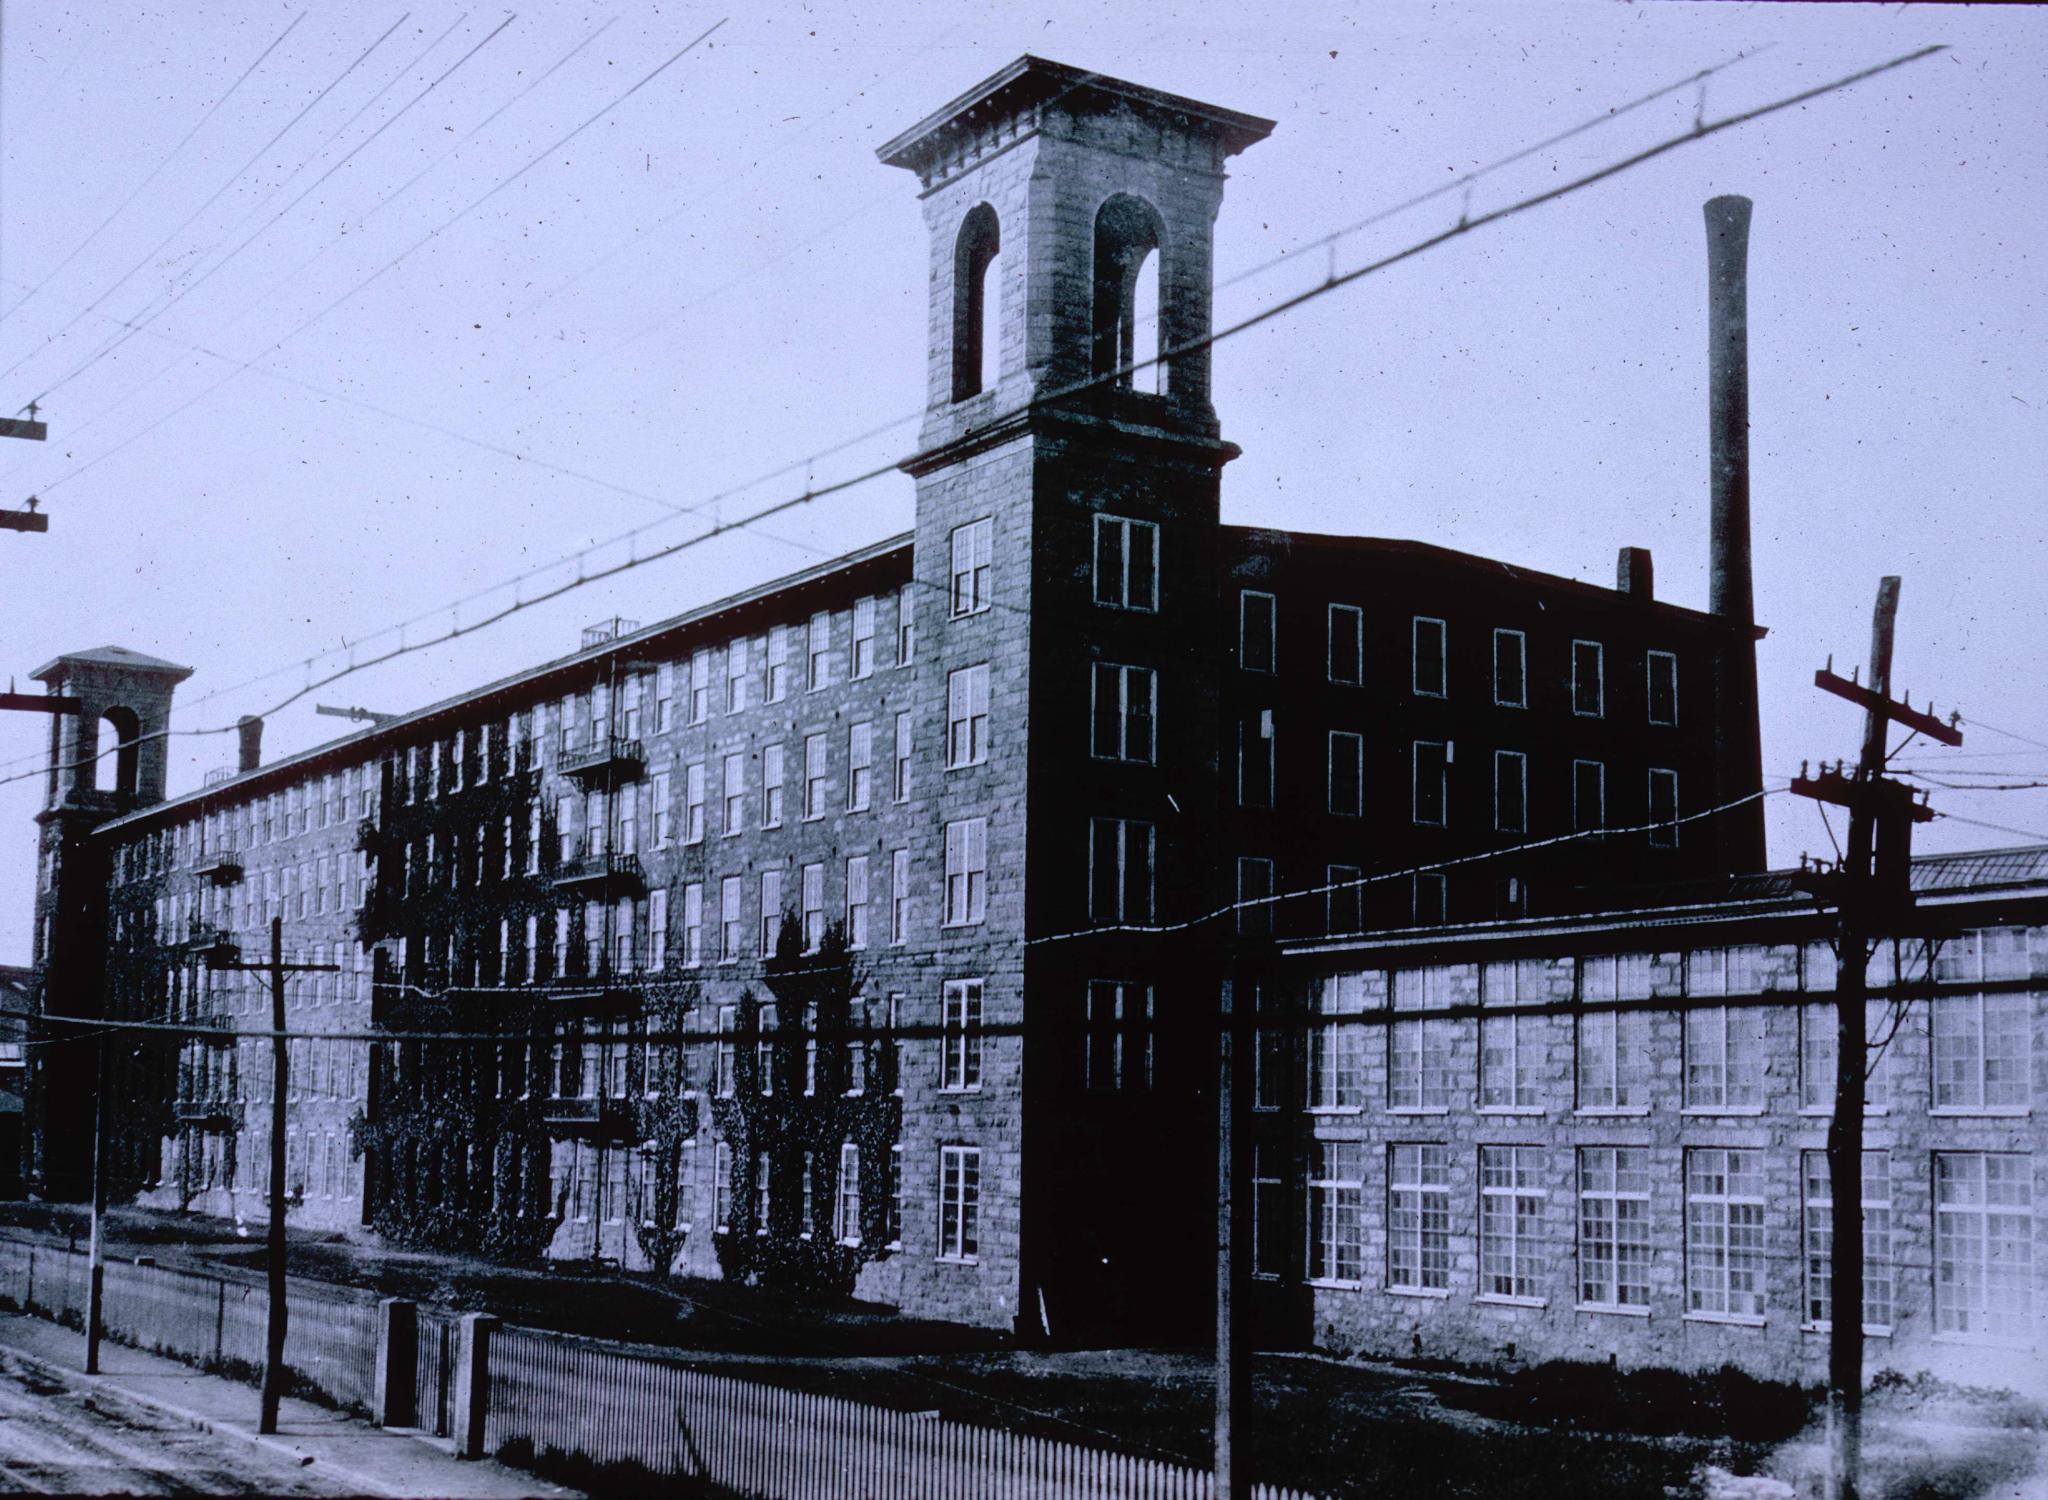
<point x="1335" y="1248"/>
<point x="967" y="715"/>
<point x="1130" y="716"/>
<point x="960" y="1036"/>
<point x="1347" y="622"/>
<point x="960" y="1204"/>
<point x="1513" y="1206"/>
<point x="971" y="549"/>
<point x="1503" y="636"/>
<point x="1663" y="832"/>
<point x="1419" y="1218"/>
<point x="1650" y="664"/>
<point x="1598" y="686"/>
<point x="1443" y="771"/>
<point x="1727" y="1247"/>
<point x="1441" y="687"/>
<point x="1117" y="593"/>
<point x="1347" y="748"/>
<point x="966" y="872"/>
<point x="1511" y="769"/>
<point x="1614" y="1246"/>
<point x="1816" y="1233"/>
<point x="1245" y="609"/>
<point x="1984" y="1247"/>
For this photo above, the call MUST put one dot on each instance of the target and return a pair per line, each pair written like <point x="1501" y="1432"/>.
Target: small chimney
<point x="1730" y="593"/>
<point x="250" y="729"/>
<point x="1634" y="574"/>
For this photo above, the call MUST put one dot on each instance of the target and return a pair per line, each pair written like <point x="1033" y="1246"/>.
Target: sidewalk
<point x="340" y="1449"/>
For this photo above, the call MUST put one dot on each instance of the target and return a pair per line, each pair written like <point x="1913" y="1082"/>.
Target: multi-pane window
<point x="693" y="923"/>
<point x="960" y="1035"/>
<point x="657" y="928"/>
<point x="1336" y="1203"/>
<point x="1613" y="1049"/>
<point x="1662" y="687"/>
<point x="1724" y="1057"/>
<point x="857" y="901"/>
<point x="664" y="830"/>
<point x="731" y="921"/>
<point x="1663" y="817"/>
<point x="1589" y="679"/>
<point x="972" y="546"/>
<point x="1432" y="783"/>
<point x="1429" y="896"/>
<point x="1510" y="791"/>
<point x="1419" y="1217"/>
<point x="721" y="1187"/>
<point x="813" y="907"/>
<point x="1347" y="644"/>
<point x="1116" y="1036"/>
<point x="1724" y="1232"/>
<point x="1614" y="1227"/>
<point x="1419" y="1075"/>
<point x="1984" y="1245"/>
<point x="1126" y="563"/>
<point x="771" y="786"/>
<point x="700" y="686"/>
<point x="967" y="716"/>
<point x="1257" y="756"/>
<point x="1257" y="631"/>
<point x="966" y="871"/>
<point x="693" y="802"/>
<point x="814" y="776"/>
<point x="906" y="625"/>
<point x="1819" y="1040"/>
<point x="768" y="1021"/>
<point x="1818" y="1232"/>
<point x="1269" y="1213"/>
<point x="899" y="895"/>
<point x="1120" y="859"/>
<point x="1511" y="1207"/>
<point x="771" y="913"/>
<point x="736" y="676"/>
<point x="1124" y="706"/>
<point x="818" y="651"/>
<point x="1589" y="796"/>
<point x="735" y="779"/>
<point x="860" y="767"/>
<point x="1343" y="900"/>
<point x="1254" y="896"/>
<point x="861" y="662"/>
<point x="846" y="1200"/>
<point x="959" y="1202"/>
<point x="1510" y="669"/>
<point x="776" y="682"/>
<point x="1427" y="673"/>
<point x="1347" y="774"/>
<point x="725" y="1064"/>
<point x="1983" y="1054"/>
<point x="900" y="785"/>
<point x="1511" y="1045"/>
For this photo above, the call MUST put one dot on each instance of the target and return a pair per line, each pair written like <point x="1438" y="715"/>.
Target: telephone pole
<point x="280" y="1064"/>
<point x="1872" y="889"/>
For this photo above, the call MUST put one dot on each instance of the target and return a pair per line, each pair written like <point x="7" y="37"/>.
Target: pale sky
<point x="716" y="280"/>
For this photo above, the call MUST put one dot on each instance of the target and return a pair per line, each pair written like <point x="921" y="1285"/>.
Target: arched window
<point x="976" y="298"/>
<point x="1127" y="294"/>
<point x="127" y="734"/>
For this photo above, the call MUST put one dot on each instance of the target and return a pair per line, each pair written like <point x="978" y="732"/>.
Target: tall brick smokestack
<point x="1729" y="591"/>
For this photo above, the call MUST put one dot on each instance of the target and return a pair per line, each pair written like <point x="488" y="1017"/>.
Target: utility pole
<point x="96" y="1300"/>
<point x="1233" y="1229"/>
<point x="1872" y="890"/>
<point x="280" y="1065"/>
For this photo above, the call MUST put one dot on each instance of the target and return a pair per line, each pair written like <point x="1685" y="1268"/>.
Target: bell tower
<point x="1066" y="553"/>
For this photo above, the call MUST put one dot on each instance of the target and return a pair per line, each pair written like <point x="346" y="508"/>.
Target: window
<point x="693" y="802"/>
<point x="1510" y="791"/>
<point x="726" y="1064"/>
<point x="771" y="786"/>
<point x="857" y="901"/>
<point x="906" y="625"/>
<point x="1419" y="1074"/>
<point x="814" y="777"/>
<point x="1343" y="900"/>
<point x="1983" y="1058"/>
<point x="762" y="1168"/>
<point x="1336" y="1200"/>
<point x="972" y="544"/>
<point x="1418" y="1218"/>
<point x="778" y="664"/>
<point x="860" y="767"/>
<point x="734" y="781"/>
<point x="960" y="1050"/>
<point x="1347" y="774"/>
<point x="1510" y="669"/>
<point x="846" y="1200"/>
<point x="1662" y="669"/>
<point x="1818" y="1047"/>
<point x="657" y="928"/>
<point x="1347" y="644"/>
<point x="1124" y="706"/>
<point x="693" y="924"/>
<point x="1257" y="631"/>
<point x="735" y="676"/>
<point x="814" y="907"/>
<point x="1589" y="682"/>
<point x="1724" y="1058"/>
<point x="902" y="779"/>
<point x="1255" y="760"/>
<point x="769" y="1022"/>
<point x="700" y="686"/>
<point x="1511" y="1046"/>
<point x="1613" y="1049"/>
<point x="1983" y="1245"/>
<point x="1589" y="796"/>
<point x="862" y="662"/>
<point x="959" y="1203"/>
<point x="1432" y="783"/>
<point x="817" y="651"/>
<point x="1269" y="1213"/>
<point x="966" y="872"/>
<point x="1428" y="672"/>
<point x="1819" y="1235"/>
<point x="967" y="717"/>
<point x="1511" y="1207"/>
<point x="1255" y="897"/>
<point x="977" y="258"/>
<point x="1116" y="1036"/>
<point x="1126" y="563"/>
<point x="1614" y="1227"/>
<point x="899" y="896"/>
<point x="771" y="913"/>
<point x="1663" y="809"/>
<point x="1120" y="855"/>
<point x="1429" y="895"/>
<point x="731" y="921"/>
<point x="1724" y="1233"/>
<point x="894" y="1226"/>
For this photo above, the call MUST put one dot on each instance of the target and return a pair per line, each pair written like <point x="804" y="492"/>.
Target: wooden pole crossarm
<point x="17" y="427"/>
<point x="23" y="520"/>
<point x="1877" y="703"/>
<point x="40" y="703"/>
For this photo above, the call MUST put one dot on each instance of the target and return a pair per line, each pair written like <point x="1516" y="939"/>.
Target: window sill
<point x="1618" y="1310"/>
<point x="1981" y="1341"/>
<point x="1740" y="1112"/>
<point x="1327" y="1284"/>
<point x="1419" y="1111"/>
<point x="1727" y="1320"/>
<point x="1336" y="1111"/>
<point x="1822" y="1111"/>
<point x="1501" y="1299"/>
<point x="1614" y="1112"/>
<point x="1426" y="1293"/>
<point x="1870" y="1330"/>
<point x="959" y="1260"/>
<point x="1517" y="1111"/>
<point x="1991" y="1112"/>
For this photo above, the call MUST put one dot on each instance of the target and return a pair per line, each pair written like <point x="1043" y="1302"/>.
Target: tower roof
<point x="1033" y="81"/>
<point x="111" y="656"/>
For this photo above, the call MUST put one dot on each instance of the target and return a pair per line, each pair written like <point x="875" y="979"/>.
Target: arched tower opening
<point x="1127" y="332"/>
<point x="977" y="256"/>
<point x="127" y="731"/>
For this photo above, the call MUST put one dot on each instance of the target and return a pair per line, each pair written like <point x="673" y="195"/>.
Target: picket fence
<point x="600" y="1401"/>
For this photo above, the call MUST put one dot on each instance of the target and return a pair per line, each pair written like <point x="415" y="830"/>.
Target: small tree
<point x="667" y="1120"/>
